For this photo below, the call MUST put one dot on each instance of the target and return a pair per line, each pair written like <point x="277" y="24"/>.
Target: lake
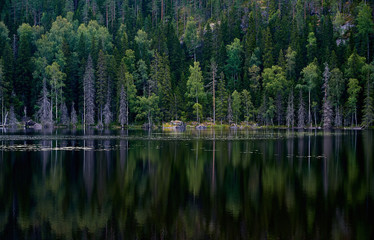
<point x="244" y="184"/>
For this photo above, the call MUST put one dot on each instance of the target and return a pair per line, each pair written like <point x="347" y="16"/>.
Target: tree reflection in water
<point x="194" y="185"/>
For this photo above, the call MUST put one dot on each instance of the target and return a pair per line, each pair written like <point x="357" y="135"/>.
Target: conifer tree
<point x="64" y="120"/>
<point x="268" y="49"/>
<point x="89" y="96"/>
<point x="101" y="84"/>
<point x="301" y="112"/>
<point x="44" y="113"/>
<point x="221" y="108"/>
<point x="290" y="115"/>
<point x="368" y="109"/>
<point x="327" y="108"/>
<point x="248" y="105"/>
<point x="73" y="116"/>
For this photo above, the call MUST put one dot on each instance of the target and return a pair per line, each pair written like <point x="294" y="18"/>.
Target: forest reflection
<point x="216" y="184"/>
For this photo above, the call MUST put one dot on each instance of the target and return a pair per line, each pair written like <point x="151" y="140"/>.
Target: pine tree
<point x="89" y="96"/>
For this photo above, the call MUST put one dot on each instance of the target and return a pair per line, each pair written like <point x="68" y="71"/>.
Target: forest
<point x="292" y="63"/>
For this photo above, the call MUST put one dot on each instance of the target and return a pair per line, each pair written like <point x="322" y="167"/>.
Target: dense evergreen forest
<point x="293" y="63"/>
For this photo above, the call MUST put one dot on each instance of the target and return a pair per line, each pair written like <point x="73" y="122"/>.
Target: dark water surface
<point x="193" y="185"/>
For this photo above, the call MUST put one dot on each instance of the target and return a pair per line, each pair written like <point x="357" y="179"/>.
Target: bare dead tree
<point x="290" y="116"/>
<point x="327" y="113"/>
<point x="301" y="112"/>
<point x="89" y="93"/>
<point x="122" y="117"/>
<point x="12" y="117"/>
<point x="107" y="112"/>
<point x="73" y="116"/>
<point x="64" y="114"/>
<point x="44" y="114"/>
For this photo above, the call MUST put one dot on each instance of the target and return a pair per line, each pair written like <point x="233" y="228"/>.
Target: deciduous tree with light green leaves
<point x="275" y="85"/>
<point x="56" y="80"/>
<point x="310" y="76"/>
<point x="365" y="26"/>
<point x="191" y="37"/>
<point x="195" y="87"/>
<point x="353" y="90"/>
<point x="236" y="105"/>
<point x="147" y="108"/>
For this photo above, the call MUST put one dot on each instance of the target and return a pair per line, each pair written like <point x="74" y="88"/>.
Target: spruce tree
<point x="327" y="114"/>
<point x="89" y="94"/>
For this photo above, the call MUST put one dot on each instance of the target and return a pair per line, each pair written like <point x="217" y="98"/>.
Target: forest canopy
<point x="292" y="63"/>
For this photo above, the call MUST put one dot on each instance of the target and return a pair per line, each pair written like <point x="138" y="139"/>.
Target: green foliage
<point x="236" y="105"/>
<point x="274" y="80"/>
<point x="147" y="108"/>
<point x="264" y="48"/>
<point x="233" y="66"/>
<point x="365" y="27"/>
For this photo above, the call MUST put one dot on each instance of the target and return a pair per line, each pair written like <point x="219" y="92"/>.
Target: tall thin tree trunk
<point x="309" y="113"/>
<point x="214" y="99"/>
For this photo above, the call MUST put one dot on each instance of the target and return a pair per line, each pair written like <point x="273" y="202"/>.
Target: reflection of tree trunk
<point x="213" y="160"/>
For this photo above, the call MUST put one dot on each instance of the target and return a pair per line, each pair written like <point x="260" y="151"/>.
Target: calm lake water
<point x="192" y="185"/>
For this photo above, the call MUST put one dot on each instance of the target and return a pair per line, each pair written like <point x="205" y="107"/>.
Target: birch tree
<point x="57" y="83"/>
<point x="353" y="90"/>
<point x="195" y="87"/>
<point x="310" y="75"/>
